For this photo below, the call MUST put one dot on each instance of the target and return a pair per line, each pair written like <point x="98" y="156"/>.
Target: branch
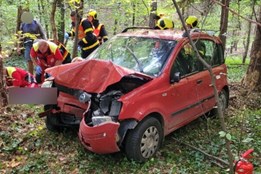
<point x="205" y="153"/>
<point x="213" y="82"/>
<point x="232" y="11"/>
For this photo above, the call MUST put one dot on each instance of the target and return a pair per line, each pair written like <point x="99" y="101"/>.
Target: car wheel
<point x="52" y="122"/>
<point x="144" y="141"/>
<point x="223" y="100"/>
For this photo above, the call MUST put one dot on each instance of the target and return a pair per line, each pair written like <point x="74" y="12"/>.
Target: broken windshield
<point x="146" y="55"/>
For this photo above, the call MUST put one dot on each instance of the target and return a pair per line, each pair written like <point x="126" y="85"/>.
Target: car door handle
<point x="199" y="81"/>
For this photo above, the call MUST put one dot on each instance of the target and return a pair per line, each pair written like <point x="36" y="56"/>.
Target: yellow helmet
<point x="92" y="13"/>
<point x="165" y="23"/>
<point x="192" y="21"/>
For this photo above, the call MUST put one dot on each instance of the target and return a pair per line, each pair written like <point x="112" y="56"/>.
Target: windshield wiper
<point x="135" y="57"/>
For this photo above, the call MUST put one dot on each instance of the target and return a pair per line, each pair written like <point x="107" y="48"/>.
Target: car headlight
<point x="47" y="84"/>
<point x="97" y="120"/>
<point x="84" y="97"/>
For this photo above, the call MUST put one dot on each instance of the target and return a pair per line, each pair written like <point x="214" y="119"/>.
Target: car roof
<point x="175" y="34"/>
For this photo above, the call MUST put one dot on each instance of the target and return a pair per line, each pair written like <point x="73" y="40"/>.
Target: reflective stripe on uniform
<point x="92" y="46"/>
<point x="97" y="30"/>
<point x="88" y="30"/>
<point x="10" y="70"/>
<point x="51" y="45"/>
<point x="84" y="40"/>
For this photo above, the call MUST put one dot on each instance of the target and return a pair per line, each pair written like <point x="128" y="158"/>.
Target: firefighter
<point x="88" y="42"/>
<point x="157" y="17"/>
<point x="30" y="30"/>
<point x="164" y="24"/>
<point x="98" y="28"/>
<point x="45" y="54"/>
<point x="18" y="77"/>
<point x="192" y="22"/>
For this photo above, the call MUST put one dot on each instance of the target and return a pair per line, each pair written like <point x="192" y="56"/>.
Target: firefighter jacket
<point x="99" y="31"/>
<point x="65" y="53"/>
<point x="47" y="59"/>
<point x="87" y="40"/>
<point x="19" y="77"/>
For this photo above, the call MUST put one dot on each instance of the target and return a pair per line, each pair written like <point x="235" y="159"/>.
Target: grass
<point x="27" y="146"/>
<point x="236" y="70"/>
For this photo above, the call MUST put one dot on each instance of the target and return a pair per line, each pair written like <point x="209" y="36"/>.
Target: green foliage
<point x="236" y="70"/>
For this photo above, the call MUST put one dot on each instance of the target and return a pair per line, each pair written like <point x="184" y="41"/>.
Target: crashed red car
<point x="136" y="88"/>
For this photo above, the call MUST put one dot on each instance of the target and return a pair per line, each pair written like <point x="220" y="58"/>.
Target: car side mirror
<point x="175" y="77"/>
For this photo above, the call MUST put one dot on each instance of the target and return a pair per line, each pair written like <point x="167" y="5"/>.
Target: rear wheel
<point x="144" y="141"/>
<point x="223" y="100"/>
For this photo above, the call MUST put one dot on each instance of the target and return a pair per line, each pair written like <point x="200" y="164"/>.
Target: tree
<point x="52" y="20"/>
<point x="253" y="74"/>
<point x="3" y="96"/>
<point x="224" y="21"/>
<point x="247" y="41"/>
<point x="152" y="14"/>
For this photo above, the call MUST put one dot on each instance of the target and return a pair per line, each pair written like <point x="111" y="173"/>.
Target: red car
<point x="136" y="88"/>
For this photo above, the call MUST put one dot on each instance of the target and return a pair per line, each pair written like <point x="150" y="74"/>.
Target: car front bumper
<point x="100" y="139"/>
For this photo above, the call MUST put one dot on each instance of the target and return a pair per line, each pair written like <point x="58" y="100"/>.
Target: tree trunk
<point x="45" y="19"/>
<point x="79" y="10"/>
<point x="253" y="75"/>
<point x="248" y="35"/>
<point x="18" y="19"/>
<point x="224" y="22"/>
<point x="61" y="24"/>
<point x="134" y="13"/>
<point x="3" y="95"/>
<point x="52" y="21"/>
<point x="153" y="11"/>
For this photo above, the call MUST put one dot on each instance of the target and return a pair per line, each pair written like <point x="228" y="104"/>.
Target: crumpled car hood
<point x="92" y="75"/>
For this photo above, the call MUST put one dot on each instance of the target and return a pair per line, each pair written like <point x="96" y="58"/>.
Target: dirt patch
<point x="241" y="98"/>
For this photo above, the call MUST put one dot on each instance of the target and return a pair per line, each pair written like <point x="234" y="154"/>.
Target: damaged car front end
<point x="92" y="90"/>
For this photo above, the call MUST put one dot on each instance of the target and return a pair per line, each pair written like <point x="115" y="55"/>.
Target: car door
<point x="212" y="54"/>
<point x="184" y="103"/>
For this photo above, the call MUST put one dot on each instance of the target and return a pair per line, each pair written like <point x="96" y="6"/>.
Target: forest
<point x="206" y="145"/>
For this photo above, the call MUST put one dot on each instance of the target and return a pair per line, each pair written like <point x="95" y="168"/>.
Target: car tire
<point x="51" y="120"/>
<point x="144" y="141"/>
<point x="223" y="99"/>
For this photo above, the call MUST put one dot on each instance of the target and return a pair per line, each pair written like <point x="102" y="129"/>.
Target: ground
<point x="27" y="146"/>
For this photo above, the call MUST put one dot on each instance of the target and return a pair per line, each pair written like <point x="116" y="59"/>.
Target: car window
<point x="210" y="52"/>
<point x="186" y="61"/>
<point x="146" y="55"/>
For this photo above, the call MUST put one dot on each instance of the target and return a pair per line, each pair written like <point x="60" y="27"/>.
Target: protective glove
<point x="66" y="36"/>
<point x="38" y="70"/>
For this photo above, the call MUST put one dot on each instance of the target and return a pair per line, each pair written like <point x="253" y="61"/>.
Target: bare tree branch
<point x="213" y="82"/>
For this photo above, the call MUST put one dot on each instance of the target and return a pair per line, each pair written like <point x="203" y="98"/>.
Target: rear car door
<point x="212" y="53"/>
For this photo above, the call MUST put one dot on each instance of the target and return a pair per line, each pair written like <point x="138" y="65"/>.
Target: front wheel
<point x="52" y="122"/>
<point x="144" y="141"/>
